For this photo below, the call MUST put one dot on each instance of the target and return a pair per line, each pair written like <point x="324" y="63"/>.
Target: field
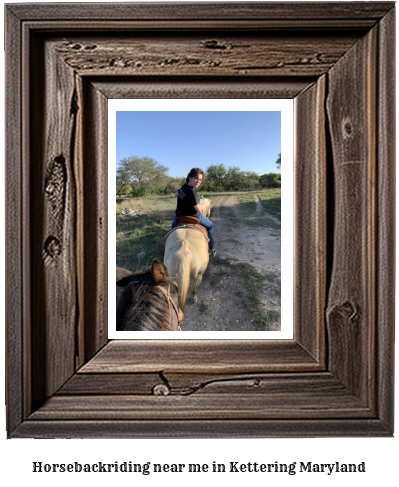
<point x="240" y="290"/>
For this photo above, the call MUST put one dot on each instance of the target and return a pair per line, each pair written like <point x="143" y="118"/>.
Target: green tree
<point x="234" y="178"/>
<point x="278" y="162"/>
<point x="171" y="185"/>
<point x="271" y="180"/>
<point x="143" y="174"/>
<point x="251" y="180"/>
<point x="215" y="177"/>
<point x="122" y="181"/>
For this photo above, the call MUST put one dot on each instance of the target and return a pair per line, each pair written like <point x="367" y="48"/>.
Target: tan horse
<point x="206" y="207"/>
<point x="186" y="259"/>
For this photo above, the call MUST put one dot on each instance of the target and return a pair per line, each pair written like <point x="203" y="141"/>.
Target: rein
<point x="171" y="305"/>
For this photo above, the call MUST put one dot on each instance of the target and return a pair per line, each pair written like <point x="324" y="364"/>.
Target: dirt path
<point x="248" y="254"/>
<point x="259" y="246"/>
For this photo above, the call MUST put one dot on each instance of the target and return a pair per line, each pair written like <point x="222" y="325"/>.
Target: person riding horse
<point x="188" y="204"/>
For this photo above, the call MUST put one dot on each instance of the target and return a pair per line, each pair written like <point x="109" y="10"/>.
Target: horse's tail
<point x="183" y="268"/>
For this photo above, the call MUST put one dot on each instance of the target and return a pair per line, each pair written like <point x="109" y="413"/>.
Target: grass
<point x="271" y="202"/>
<point x="144" y="233"/>
<point x="255" y="284"/>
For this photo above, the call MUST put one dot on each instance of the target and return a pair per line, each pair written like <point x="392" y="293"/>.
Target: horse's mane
<point x="142" y="305"/>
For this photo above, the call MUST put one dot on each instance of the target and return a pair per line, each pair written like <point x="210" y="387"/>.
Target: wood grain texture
<point x="335" y="376"/>
<point x="200" y="356"/>
<point x="385" y="244"/>
<point x="247" y="405"/>
<point x="217" y="54"/>
<point x="207" y="11"/>
<point x="16" y="252"/>
<point x="197" y="87"/>
<point x="310" y="229"/>
<point x="95" y="202"/>
<point x="191" y="428"/>
<point x="351" y="305"/>
<point x="53" y="211"/>
<point x="186" y="384"/>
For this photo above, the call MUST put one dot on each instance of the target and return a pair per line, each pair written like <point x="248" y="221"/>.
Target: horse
<point x="206" y="207"/>
<point x="186" y="259"/>
<point x="148" y="301"/>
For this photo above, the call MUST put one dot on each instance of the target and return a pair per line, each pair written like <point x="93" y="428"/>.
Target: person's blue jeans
<point x="207" y="224"/>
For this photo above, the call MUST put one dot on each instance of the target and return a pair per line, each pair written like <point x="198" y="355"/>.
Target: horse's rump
<point x="186" y="258"/>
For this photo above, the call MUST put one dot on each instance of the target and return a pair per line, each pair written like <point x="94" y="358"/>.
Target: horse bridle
<point x="172" y="304"/>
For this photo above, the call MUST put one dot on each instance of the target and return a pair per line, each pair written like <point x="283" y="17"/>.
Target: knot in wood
<point x="54" y="186"/>
<point x="52" y="246"/>
<point x="50" y="188"/>
<point x="90" y="47"/>
<point x="213" y="44"/>
<point x="346" y="310"/>
<point x="347" y="128"/>
<point x="161" y="390"/>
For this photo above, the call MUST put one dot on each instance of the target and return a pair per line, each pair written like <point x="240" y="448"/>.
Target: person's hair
<point x="195" y="171"/>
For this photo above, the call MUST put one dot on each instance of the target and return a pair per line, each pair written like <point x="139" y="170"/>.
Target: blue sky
<point x="250" y="140"/>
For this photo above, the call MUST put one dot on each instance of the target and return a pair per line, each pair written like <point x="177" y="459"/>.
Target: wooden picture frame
<point x="335" y="378"/>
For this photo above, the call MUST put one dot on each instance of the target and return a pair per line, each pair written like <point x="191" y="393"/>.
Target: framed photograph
<point x="152" y="146"/>
<point x="334" y="377"/>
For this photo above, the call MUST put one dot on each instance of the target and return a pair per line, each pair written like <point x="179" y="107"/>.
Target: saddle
<point x="189" y="222"/>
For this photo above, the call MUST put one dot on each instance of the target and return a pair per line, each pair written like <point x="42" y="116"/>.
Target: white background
<point x="286" y="107"/>
<point x="381" y="455"/>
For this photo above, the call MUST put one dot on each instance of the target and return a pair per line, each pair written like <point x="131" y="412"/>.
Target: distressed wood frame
<point x="63" y="62"/>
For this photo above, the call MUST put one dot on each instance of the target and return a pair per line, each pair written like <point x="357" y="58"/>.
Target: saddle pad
<point x="198" y="228"/>
<point x="195" y="226"/>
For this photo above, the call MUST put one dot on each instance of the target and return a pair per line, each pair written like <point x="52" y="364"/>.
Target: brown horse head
<point x="148" y="301"/>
